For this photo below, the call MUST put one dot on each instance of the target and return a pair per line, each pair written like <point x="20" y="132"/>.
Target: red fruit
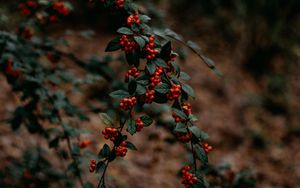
<point x="174" y="92"/>
<point x="139" y="124"/>
<point x="120" y="3"/>
<point x="133" y="19"/>
<point x="10" y="70"/>
<point x="207" y="148"/>
<point x="184" y="137"/>
<point x="53" y="18"/>
<point x="85" y="143"/>
<point x="188" y="179"/>
<point x="93" y="164"/>
<point x="128" y="103"/>
<point x="149" y="48"/>
<point x="110" y="133"/>
<point x="121" y="150"/>
<point x="127" y="45"/>
<point x="132" y="72"/>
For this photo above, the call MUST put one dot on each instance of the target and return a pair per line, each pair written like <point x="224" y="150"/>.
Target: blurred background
<point x="251" y="113"/>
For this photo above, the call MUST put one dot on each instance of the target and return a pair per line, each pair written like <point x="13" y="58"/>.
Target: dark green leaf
<point x="132" y="86"/>
<point x="113" y="45"/>
<point x="119" y="94"/>
<point x="160" y="62"/>
<point x="140" y="89"/>
<point x="146" y="120"/>
<point x="188" y="89"/>
<point x="201" y="154"/>
<point x="131" y="128"/>
<point x="180" y="127"/>
<point x="184" y="76"/>
<point x="106" y="119"/>
<point x="105" y="151"/>
<point x="140" y="41"/>
<point x="130" y="145"/>
<point x="100" y="167"/>
<point x="144" y="18"/>
<point x="125" y="31"/>
<point x="151" y="67"/>
<point x="176" y="67"/>
<point x="179" y="113"/>
<point x="162" y="88"/>
<point x="196" y="131"/>
<point x="133" y="58"/>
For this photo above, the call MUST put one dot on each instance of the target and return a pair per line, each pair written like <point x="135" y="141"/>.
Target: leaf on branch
<point x="180" y="127"/>
<point x="160" y="62"/>
<point x="162" y="88"/>
<point x="131" y="128"/>
<point x="119" y="94"/>
<point x="184" y="76"/>
<point x="146" y="120"/>
<point x="131" y="146"/>
<point x="100" y="167"/>
<point x="179" y="113"/>
<point x="125" y="31"/>
<point x="113" y="45"/>
<point x="151" y="67"/>
<point x="140" y="41"/>
<point x="201" y="154"/>
<point x="105" y="151"/>
<point x="188" y="89"/>
<point x="106" y="119"/>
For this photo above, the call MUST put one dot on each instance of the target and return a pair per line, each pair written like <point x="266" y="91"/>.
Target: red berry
<point x="207" y="148"/>
<point x="93" y="164"/>
<point x="121" y="150"/>
<point x="174" y="92"/>
<point x="85" y="143"/>
<point x="188" y="179"/>
<point x="128" y="103"/>
<point x="110" y="133"/>
<point x="139" y="124"/>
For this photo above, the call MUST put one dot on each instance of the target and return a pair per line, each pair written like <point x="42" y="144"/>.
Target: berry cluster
<point x="85" y="143"/>
<point x="10" y="70"/>
<point x="155" y="78"/>
<point x="126" y="45"/>
<point x="93" y="164"/>
<point x="132" y="72"/>
<point x="128" y="103"/>
<point x="177" y="118"/>
<point x="207" y="148"/>
<point x="174" y="92"/>
<point x="187" y="108"/>
<point x="139" y="124"/>
<point x="149" y="48"/>
<point x="121" y="150"/>
<point x="61" y="8"/>
<point x="133" y="19"/>
<point x="148" y="97"/>
<point x="184" y="137"/>
<point x="27" y="7"/>
<point x="120" y="3"/>
<point x="188" y="179"/>
<point x="110" y="133"/>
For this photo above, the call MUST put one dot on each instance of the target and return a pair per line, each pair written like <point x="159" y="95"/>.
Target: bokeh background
<point x="251" y="113"/>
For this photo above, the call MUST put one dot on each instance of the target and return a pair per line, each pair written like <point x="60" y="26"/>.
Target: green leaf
<point x="144" y="18"/>
<point x="140" y="41"/>
<point x="176" y="67"/>
<point x="193" y="45"/>
<point x="151" y="67"/>
<point x="105" y="151"/>
<point x="188" y="89"/>
<point x="132" y="86"/>
<point x="160" y="62"/>
<point x="140" y="89"/>
<point x="146" y="120"/>
<point x="196" y="131"/>
<point x="179" y="113"/>
<point x="125" y="31"/>
<point x="184" y="76"/>
<point x="88" y="185"/>
<point x="170" y="33"/>
<point x="113" y="45"/>
<point x="162" y="88"/>
<point x="133" y="58"/>
<point x="130" y="145"/>
<point x="131" y="128"/>
<point x="180" y="127"/>
<point x="100" y="167"/>
<point x="201" y="154"/>
<point x="119" y="94"/>
<point x="106" y="119"/>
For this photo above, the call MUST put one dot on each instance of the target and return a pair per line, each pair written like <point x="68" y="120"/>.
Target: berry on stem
<point x="110" y="133"/>
<point x="126" y="45"/>
<point x="133" y="19"/>
<point x="207" y="148"/>
<point x="132" y="72"/>
<point x="139" y="124"/>
<point x="121" y="150"/>
<point x="149" y="48"/>
<point x="93" y="164"/>
<point x="188" y="179"/>
<point x="174" y="92"/>
<point x="128" y="103"/>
